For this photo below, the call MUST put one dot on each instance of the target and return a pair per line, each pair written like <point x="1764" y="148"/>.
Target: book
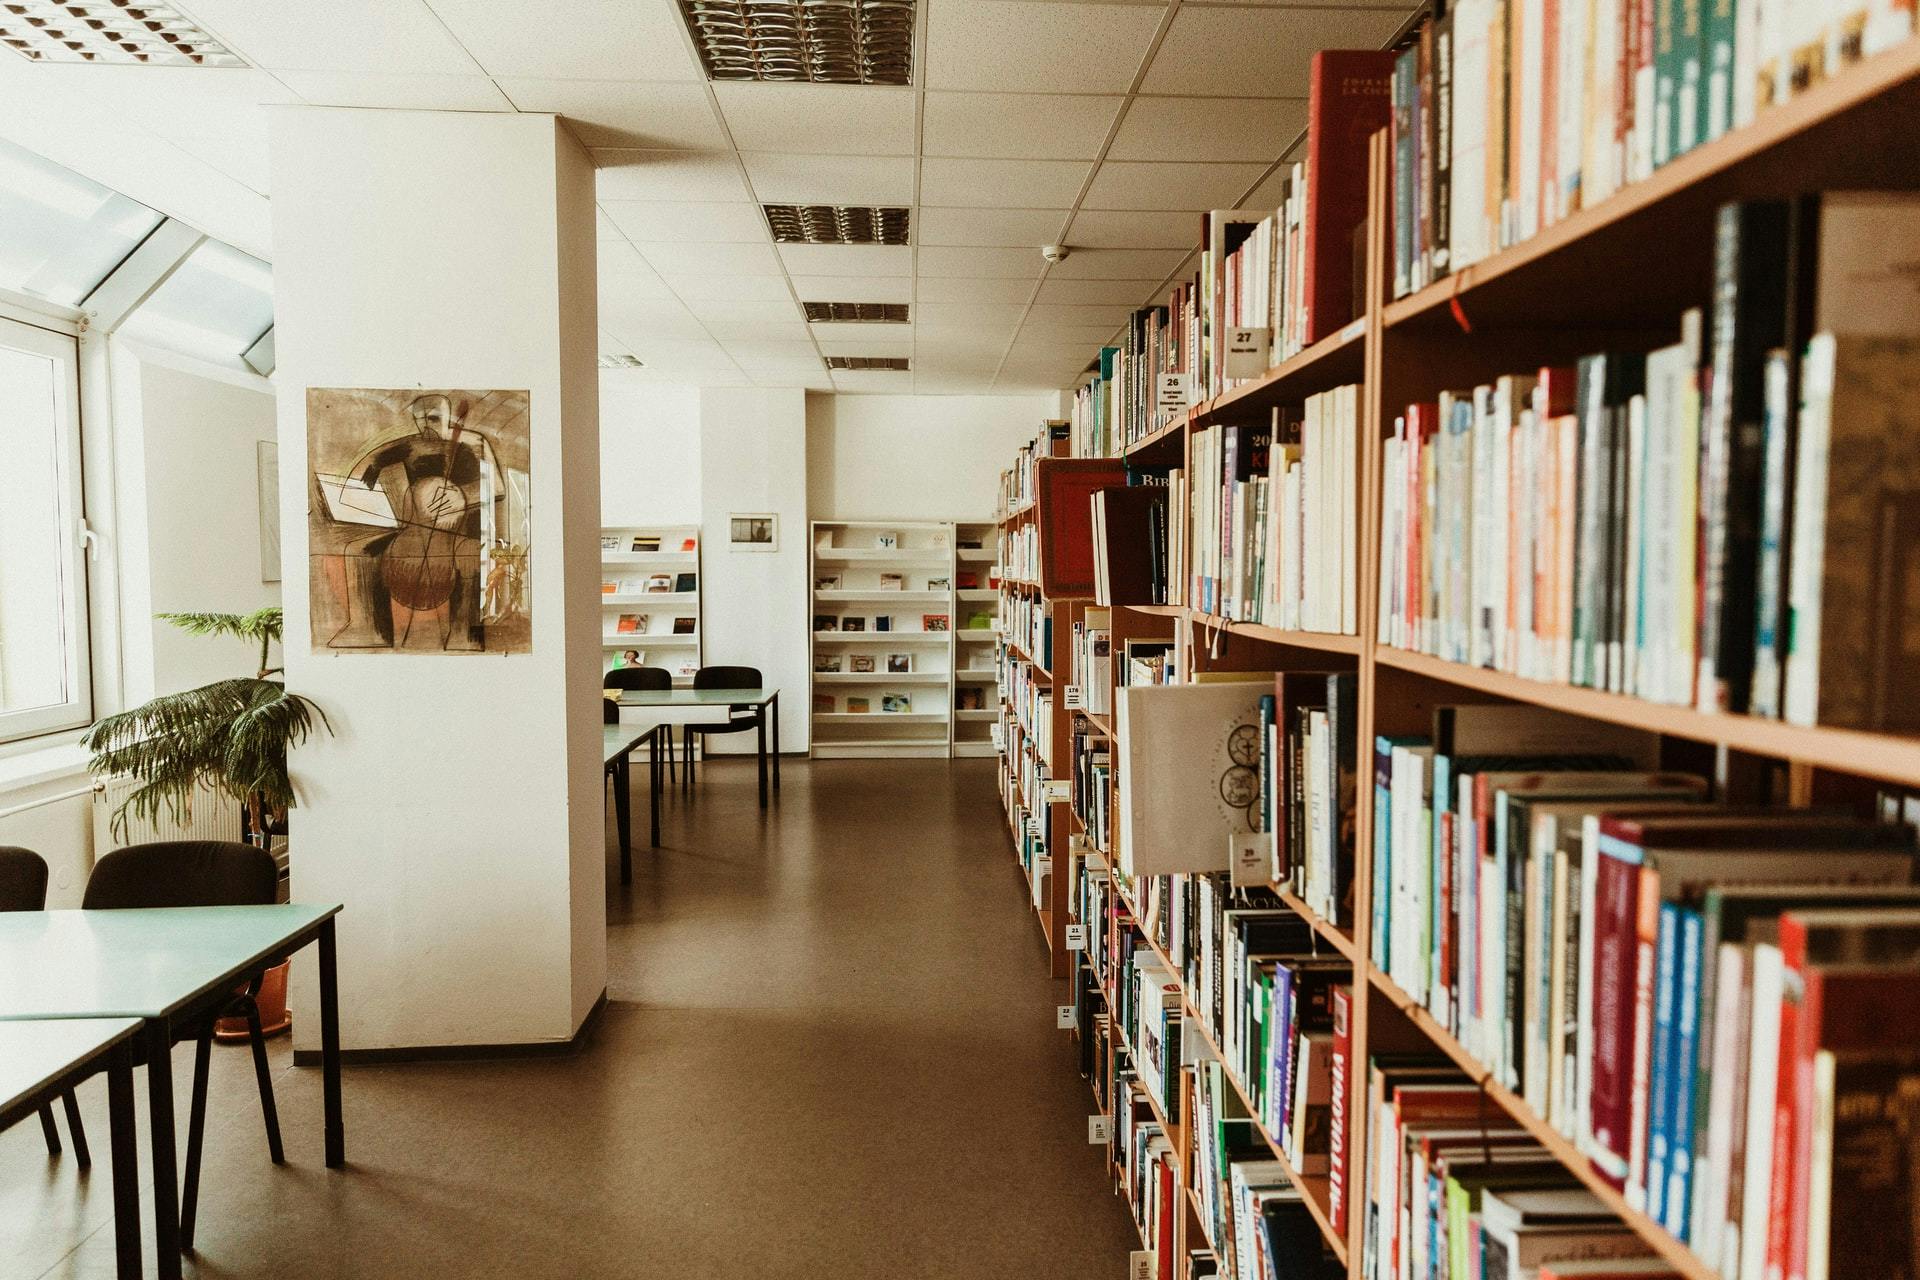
<point x="860" y="663"/>
<point x="635" y="623"/>
<point x="684" y="626"/>
<point x="1348" y="99"/>
<point x="858" y="704"/>
<point x="1188" y="779"/>
<point x="685" y="582"/>
<point x="933" y="622"/>
<point x="658" y="583"/>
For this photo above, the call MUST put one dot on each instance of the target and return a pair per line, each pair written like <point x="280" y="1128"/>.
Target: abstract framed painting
<point x="419" y="521"/>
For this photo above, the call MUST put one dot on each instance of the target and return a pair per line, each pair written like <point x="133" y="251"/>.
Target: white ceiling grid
<point x="1106" y="126"/>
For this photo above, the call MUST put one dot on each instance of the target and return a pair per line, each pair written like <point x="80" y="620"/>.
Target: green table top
<point x="617" y="740"/>
<point x="35" y="1054"/>
<point x="144" y="963"/>
<point x="694" y="697"/>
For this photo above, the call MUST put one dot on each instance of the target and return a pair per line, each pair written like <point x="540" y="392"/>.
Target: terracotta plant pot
<point x="274" y="1015"/>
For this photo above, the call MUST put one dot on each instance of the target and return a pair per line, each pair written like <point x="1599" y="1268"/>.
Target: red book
<point x="1168" y="1211"/>
<point x="1349" y="99"/>
<point x="1063" y="489"/>
<point x="1337" y="1112"/>
<point x="1557" y="386"/>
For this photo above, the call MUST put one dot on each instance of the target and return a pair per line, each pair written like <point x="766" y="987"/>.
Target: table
<point x="699" y="706"/>
<point x="42" y="1059"/>
<point x="618" y="743"/>
<point x="166" y="966"/>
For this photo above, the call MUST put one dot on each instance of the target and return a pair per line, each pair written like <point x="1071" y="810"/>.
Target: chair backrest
<point x="638" y="678"/>
<point x="727" y="678"/>
<point x="23" y="879"/>
<point x="183" y="873"/>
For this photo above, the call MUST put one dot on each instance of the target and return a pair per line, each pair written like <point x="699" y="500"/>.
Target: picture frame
<point x="858" y="704"/>
<point x="860" y="663"/>
<point x="933" y="622"/>
<point x="883" y="622"/>
<point x="828" y="663"/>
<point x="853" y="624"/>
<point x="684" y="625"/>
<point x="826" y="622"/>
<point x="827" y="582"/>
<point x="896" y="703"/>
<point x="753" y="531"/>
<point x="899" y="664"/>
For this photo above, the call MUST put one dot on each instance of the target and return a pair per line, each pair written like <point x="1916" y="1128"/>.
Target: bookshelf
<point x="650" y="578"/>
<point x="1613" y="276"/>
<point x="976" y="627"/>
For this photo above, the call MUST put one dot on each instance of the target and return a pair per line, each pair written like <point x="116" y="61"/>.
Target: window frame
<point x="37" y="328"/>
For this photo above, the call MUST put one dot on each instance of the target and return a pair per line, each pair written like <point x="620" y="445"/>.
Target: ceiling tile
<point x="574" y="39"/>
<point x="1013" y="380"/>
<point x="984" y="184"/>
<point x="706" y="288"/>
<point x="1135" y="229"/>
<point x="342" y="35"/>
<point x="937" y="260"/>
<point x="732" y="331"/>
<point x="1259" y="53"/>
<point x="973" y="289"/>
<point x="1087" y="338"/>
<point x="847" y="260"/>
<point x="714" y="311"/>
<point x="874" y="381"/>
<point x="717" y="259"/>
<point x="623" y="271"/>
<point x="1012" y="44"/>
<point x="629" y="174"/>
<point x="854" y="120"/>
<point x="947" y="360"/>
<point x="1120" y="264"/>
<point x="690" y="221"/>
<point x="1111" y="315"/>
<point x="853" y="288"/>
<point x="850" y="332"/>
<point x="951" y="384"/>
<point x="899" y="350"/>
<point x="961" y="315"/>
<point x="1140" y="184"/>
<point x="237" y="157"/>
<point x="1022" y="126"/>
<point x="976" y="227"/>
<point x="1209" y="128"/>
<point x="410" y="92"/>
<point x="689" y="352"/>
<point x="793" y="179"/>
<point x="617" y="113"/>
<point x="1132" y="293"/>
<point x="771" y="350"/>
<point x="604" y="227"/>
<point x="639" y="319"/>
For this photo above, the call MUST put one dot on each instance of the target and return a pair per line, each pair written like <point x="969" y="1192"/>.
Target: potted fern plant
<point x="230" y="737"/>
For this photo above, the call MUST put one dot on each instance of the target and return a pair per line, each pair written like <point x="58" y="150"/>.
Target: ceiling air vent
<point x="620" y="360"/>
<point x="823" y="41"/>
<point x="897" y="363"/>
<point x="128" y="32"/>
<point x="856" y="312"/>
<point x="835" y="224"/>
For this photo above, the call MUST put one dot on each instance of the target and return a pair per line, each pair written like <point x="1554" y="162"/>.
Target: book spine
<point x="1337" y="1129"/>
<point x="1808" y="553"/>
<point x="1443" y="142"/>
<point x="1659" y="1102"/>
<point x="1686" y="1044"/>
<point x="1615" y="977"/>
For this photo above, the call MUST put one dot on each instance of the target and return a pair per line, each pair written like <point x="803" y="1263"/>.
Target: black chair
<point x="199" y="873"/>
<point x="637" y="678"/>
<point x="23" y="887"/>
<point x="723" y="678"/>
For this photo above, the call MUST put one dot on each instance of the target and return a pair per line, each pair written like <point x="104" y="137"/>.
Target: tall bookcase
<point x="976" y="628"/>
<point x="650" y="591"/>
<point x="1613" y="276"/>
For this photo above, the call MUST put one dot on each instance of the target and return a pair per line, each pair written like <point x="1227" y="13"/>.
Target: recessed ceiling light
<point x="823" y="41"/>
<point x="130" y="32"/>
<point x="835" y="224"/>
<point x="856" y="312"/>
<point x="620" y="360"/>
<point x="868" y="362"/>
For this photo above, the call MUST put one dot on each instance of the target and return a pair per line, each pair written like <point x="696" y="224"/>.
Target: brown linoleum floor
<point x="829" y="1053"/>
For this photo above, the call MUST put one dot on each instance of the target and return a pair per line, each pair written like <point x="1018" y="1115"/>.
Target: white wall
<point x="186" y="438"/>
<point x="457" y="809"/>
<point x="649" y="451"/>
<point x="914" y="457"/>
<point x="753" y="458"/>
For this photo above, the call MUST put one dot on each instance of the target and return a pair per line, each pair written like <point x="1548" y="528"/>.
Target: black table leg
<point x="78" y="1128"/>
<point x="196" y="1134"/>
<point x="330" y="1046"/>
<point x="125" y="1157"/>
<point x="623" y="814"/>
<point x="653" y="781"/>
<point x="760" y="750"/>
<point x="158" y="1038"/>
<point x="776" y="743"/>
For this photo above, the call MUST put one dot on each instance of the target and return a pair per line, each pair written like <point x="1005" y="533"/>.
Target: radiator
<point x="213" y="815"/>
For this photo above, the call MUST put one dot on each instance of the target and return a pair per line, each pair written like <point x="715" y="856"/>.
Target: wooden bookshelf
<point x="1614" y="276"/>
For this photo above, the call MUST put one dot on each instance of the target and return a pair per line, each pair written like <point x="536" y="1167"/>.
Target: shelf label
<point x="1247" y="349"/>
<point x="1173" y="393"/>
<point x="1099" y="1130"/>
<point x="1143" y="1264"/>
<point x="1063" y="1017"/>
<point x="1058" y="790"/>
<point x="1073" y="699"/>
<point x="1076" y="937"/>
<point x="1247" y="858"/>
<point x="1354" y="330"/>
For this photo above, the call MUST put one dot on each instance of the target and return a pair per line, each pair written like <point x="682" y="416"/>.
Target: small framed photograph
<point x="826" y="622"/>
<point x="631" y="658"/>
<point x="684" y="582"/>
<point x="827" y="582"/>
<point x="893" y="582"/>
<point x="632" y="622"/>
<point x="754" y="531"/>
<point x="683" y="625"/>
<point x="659" y="584"/>
<point x="860" y="662"/>
<point x="858" y="705"/>
<point x="899" y="703"/>
<point x="933" y="622"/>
<point x="826" y="662"/>
<point x="853" y="624"/>
<point x="939" y="584"/>
<point x="883" y="622"/>
<point x="899" y="664"/>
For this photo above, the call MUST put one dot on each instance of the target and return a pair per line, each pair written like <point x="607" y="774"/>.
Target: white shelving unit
<point x="650" y="577"/>
<point x="897" y="595"/>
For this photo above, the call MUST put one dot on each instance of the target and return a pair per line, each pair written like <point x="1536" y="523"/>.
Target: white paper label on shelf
<point x="1076" y="937"/>
<point x="1143" y="1264"/>
<point x="1247" y="348"/>
<point x="1099" y="1130"/>
<point x="1354" y="330"/>
<point x="1063" y="1017"/>
<point x="1073" y="700"/>
<point x="1247" y="858"/>
<point x="1059" y="790"/>
<point x="1173" y="393"/>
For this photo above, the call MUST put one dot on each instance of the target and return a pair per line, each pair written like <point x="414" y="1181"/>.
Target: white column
<point x="457" y="807"/>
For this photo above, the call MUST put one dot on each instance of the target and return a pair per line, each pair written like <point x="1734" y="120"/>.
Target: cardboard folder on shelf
<point x="1065" y="519"/>
<point x="1130" y="545"/>
<point x="1189" y="773"/>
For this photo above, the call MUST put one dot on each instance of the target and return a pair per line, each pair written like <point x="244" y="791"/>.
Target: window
<point x="43" y="640"/>
<point x="65" y="233"/>
<point x="215" y="305"/>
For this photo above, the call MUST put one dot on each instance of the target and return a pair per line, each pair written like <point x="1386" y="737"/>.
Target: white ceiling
<point x="1110" y="127"/>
